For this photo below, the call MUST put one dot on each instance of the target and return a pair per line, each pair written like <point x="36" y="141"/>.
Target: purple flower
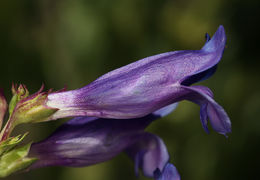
<point x="85" y="141"/>
<point x="144" y="86"/>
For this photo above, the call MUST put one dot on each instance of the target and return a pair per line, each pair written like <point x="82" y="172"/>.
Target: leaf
<point x="15" y="160"/>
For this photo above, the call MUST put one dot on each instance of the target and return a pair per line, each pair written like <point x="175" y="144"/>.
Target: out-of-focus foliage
<point x="62" y="42"/>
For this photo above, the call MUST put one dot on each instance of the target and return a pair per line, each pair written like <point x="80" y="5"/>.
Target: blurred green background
<point x="62" y="42"/>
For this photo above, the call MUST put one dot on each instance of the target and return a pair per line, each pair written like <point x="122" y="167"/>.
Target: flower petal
<point x="202" y="96"/>
<point x="217" y="42"/>
<point x="214" y="48"/>
<point x="165" y="110"/>
<point x="149" y="153"/>
<point x="169" y="173"/>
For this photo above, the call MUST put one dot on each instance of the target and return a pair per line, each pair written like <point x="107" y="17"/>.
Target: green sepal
<point x="13" y="103"/>
<point x="10" y="143"/>
<point x="33" y="109"/>
<point x="18" y="94"/>
<point x="15" y="160"/>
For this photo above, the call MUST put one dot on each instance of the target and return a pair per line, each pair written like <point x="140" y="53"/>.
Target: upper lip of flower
<point x="214" y="46"/>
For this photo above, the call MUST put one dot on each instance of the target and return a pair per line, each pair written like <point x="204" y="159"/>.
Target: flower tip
<point x="217" y="42"/>
<point x="219" y="119"/>
<point x="169" y="173"/>
<point x="205" y="127"/>
<point x="225" y="133"/>
<point x="220" y="34"/>
<point x="227" y="126"/>
<point x="226" y="129"/>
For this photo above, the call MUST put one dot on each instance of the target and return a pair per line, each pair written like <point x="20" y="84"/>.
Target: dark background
<point x="72" y="43"/>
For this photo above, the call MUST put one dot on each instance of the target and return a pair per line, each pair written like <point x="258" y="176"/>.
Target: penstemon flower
<point x="144" y="86"/>
<point x="85" y="141"/>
